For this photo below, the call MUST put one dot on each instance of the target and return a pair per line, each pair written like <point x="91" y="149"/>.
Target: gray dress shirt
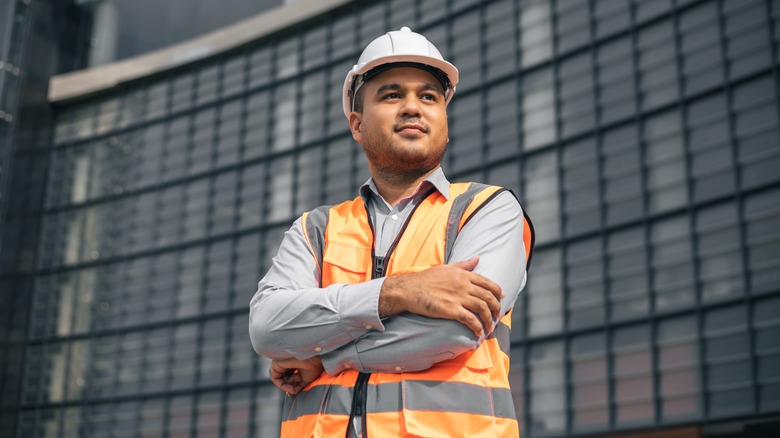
<point x="291" y="316"/>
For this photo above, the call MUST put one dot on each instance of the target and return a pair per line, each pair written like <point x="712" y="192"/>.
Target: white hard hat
<point x="401" y="46"/>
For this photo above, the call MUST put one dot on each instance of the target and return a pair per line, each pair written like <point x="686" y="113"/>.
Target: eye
<point x="391" y="96"/>
<point x="430" y="96"/>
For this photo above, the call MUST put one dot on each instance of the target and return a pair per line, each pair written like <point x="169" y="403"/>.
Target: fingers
<point x="467" y="265"/>
<point x="483" y="312"/>
<point x="487" y="284"/>
<point x="468" y="319"/>
<point x="292" y="375"/>
<point x="491" y="302"/>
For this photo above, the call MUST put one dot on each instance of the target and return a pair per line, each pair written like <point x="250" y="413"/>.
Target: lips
<point x="406" y="126"/>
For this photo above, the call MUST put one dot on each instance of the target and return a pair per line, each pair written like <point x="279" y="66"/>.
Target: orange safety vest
<point x="466" y="396"/>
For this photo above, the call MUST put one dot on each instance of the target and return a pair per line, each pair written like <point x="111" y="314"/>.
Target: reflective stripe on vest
<point x="468" y="395"/>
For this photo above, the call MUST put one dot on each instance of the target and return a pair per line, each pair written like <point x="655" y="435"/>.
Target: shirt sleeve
<point x="413" y="342"/>
<point x="291" y="316"/>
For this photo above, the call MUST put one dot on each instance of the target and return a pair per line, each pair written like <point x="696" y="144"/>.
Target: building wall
<point x="29" y="35"/>
<point x="641" y="136"/>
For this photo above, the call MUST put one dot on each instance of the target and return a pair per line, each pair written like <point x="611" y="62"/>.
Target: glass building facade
<point x="641" y="136"/>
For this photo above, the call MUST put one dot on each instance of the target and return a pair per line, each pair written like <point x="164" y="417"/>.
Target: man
<point x="389" y="315"/>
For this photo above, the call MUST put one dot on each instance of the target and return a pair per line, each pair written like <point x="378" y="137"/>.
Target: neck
<point x="394" y="186"/>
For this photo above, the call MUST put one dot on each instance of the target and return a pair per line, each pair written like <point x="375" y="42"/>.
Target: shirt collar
<point x="435" y="179"/>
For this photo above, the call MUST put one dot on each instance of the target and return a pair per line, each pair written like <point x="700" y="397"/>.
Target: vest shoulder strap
<point x="313" y="224"/>
<point x="469" y="203"/>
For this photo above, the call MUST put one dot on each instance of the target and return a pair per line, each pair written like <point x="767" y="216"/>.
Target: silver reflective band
<point x="416" y="395"/>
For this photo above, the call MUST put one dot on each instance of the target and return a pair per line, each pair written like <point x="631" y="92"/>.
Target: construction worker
<point x="389" y="315"/>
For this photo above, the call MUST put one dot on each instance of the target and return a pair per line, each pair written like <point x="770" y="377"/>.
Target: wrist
<point x="390" y="297"/>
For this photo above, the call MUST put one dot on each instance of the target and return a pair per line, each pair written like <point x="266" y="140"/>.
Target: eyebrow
<point x="395" y="87"/>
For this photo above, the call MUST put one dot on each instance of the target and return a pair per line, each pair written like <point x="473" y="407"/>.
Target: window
<point x="762" y="212"/>
<point x="727" y="355"/>
<point x="538" y="109"/>
<point x="590" y="392"/>
<point x="544" y="294"/>
<point x="671" y="264"/>
<point x="581" y="187"/>
<point x="627" y="275"/>
<point x="719" y="252"/>
<point x="536" y="29"/>
<point x="540" y="181"/>
<point x="585" y="283"/>
<point x="622" y="175"/>
<point x="632" y="375"/>
<point x="547" y="389"/>
<point x="678" y="367"/>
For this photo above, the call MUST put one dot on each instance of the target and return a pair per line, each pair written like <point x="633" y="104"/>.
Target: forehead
<point x="404" y="76"/>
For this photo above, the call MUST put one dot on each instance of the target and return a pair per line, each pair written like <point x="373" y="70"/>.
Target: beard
<point x="401" y="160"/>
<point x="400" y="164"/>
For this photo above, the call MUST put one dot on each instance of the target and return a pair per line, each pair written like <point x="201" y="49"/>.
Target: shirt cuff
<point x="359" y="307"/>
<point x="341" y="359"/>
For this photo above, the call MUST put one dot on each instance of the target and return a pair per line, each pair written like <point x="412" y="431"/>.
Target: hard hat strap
<point x="360" y="80"/>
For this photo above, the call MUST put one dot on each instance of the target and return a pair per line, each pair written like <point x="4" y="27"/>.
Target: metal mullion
<point x="237" y="203"/>
<point x="145" y="123"/>
<point x="739" y="199"/>
<point x="140" y="397"/>
<point x="32" y="283"/>
<point x="141" y="328"/>
<point x="690" y="211"/>
<point x="632" y="31"/>
<point x="228" y="337"/>
<point x="602" y="232"/>
<point x="216" y="135"/>
<point x="523" y="344"/>
<point x="265" y="207"/>
<point x="199" y="319"/>
<point x="353" y="151"/>
<point x="773" y="46"/>
<point x="170" y="248"/>
<point x="326" y="108"/>
<point x="200" y="175"/>
<point x="145" y="329"/>
<point x="77" y="283"/>
<point x="564" y="335"/>
<point x="673" y="16"/>
<point x="242" y="132"/>
<point x="138" y="327"/>
<point x="482" y="87"/>
<point x="297" y="127"/>
<point x="236" y="312"/>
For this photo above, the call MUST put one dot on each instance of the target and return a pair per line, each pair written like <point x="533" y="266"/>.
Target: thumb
<point x="468" y="265"/>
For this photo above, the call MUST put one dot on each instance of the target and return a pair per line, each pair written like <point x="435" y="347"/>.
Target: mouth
<point x="411" y="127"/>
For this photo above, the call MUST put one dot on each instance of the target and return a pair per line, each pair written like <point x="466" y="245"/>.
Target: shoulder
<point x="484" y="199"/>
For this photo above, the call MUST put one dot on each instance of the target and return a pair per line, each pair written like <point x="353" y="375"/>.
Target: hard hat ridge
<point x="398" y="48"/>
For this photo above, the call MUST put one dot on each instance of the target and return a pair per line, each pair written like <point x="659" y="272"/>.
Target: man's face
<point x="403" y="127"/>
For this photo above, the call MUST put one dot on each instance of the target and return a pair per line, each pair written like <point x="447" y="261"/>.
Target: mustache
<point x="411" y="121"/>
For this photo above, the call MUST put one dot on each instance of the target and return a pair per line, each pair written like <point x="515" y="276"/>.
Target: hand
<point x="292" y="375"/>
<point x="448" y="291"/>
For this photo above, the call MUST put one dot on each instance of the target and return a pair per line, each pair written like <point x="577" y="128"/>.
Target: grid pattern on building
<point x="641" y="136"/>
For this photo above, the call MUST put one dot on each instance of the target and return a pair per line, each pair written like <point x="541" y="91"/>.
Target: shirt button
<point x="394" y="217"/>
<point x="398" y="368"/>
<point x="369" y="326"/>
<point x="317" y="349"/>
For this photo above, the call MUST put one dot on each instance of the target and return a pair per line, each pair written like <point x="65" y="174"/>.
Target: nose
<point x="411" y="106"/>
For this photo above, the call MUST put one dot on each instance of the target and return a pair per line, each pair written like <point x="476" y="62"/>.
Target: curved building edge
<point x="82" y="83"/>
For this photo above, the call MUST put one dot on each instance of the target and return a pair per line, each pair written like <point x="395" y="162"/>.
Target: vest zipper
<point x="359" y="395"/>
<point x="359" y="399"/>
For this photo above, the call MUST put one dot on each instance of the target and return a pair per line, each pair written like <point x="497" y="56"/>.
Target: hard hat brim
<point x="450" y="70"/>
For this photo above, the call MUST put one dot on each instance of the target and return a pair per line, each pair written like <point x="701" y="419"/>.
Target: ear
<point x="355" y="119"/>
